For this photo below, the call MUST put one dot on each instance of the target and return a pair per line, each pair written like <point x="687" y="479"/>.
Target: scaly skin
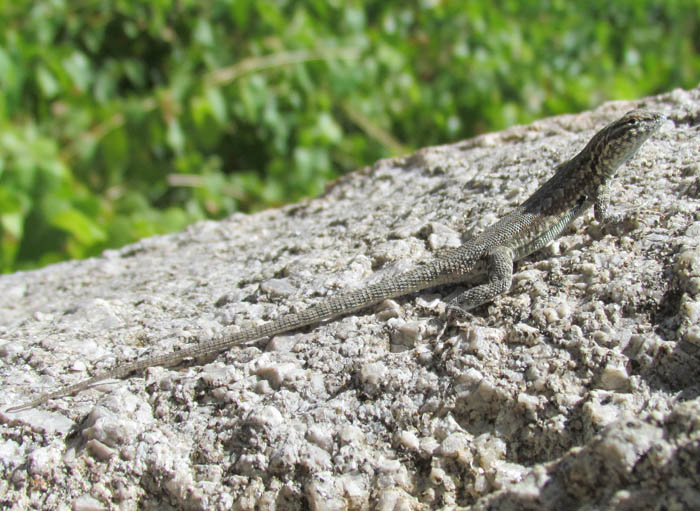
<point x="577" y="185"/>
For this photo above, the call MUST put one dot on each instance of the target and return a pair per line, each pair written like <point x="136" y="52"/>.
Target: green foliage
<point x="122" y="119"/>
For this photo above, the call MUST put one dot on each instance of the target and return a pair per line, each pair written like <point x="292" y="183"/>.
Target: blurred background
<point x="122" y="119"/>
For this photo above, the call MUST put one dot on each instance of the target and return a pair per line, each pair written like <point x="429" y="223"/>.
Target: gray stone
<point x="578" y="389"/>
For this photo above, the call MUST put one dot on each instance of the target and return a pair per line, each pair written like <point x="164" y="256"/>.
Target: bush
<point x="123" y="119"/>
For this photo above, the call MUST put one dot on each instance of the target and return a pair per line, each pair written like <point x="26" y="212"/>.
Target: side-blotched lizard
<point x="577" y="184"/>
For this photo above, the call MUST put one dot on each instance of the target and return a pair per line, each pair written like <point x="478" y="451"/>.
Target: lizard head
<point x="619" y="140"/>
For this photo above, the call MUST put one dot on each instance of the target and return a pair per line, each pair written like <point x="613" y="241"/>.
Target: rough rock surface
<point x="579" y="389"/>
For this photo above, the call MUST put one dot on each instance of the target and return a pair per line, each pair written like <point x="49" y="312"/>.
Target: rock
<point x="577" y="389"/>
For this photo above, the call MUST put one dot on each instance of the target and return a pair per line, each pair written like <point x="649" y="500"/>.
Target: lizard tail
<point x="422" y="277"/>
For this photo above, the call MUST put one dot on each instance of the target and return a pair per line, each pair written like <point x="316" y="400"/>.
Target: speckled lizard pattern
<point x="577" y="184"/>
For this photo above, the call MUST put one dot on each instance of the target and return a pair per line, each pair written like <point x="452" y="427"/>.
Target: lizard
<point x="577" y="184"/>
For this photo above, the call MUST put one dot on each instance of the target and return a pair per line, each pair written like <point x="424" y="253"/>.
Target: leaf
<point x="217" y="103"/>
<point x="80" y="226"/>
<point x="13" y="224"/>
<point x="78" y="68"/>
<point x="175" y="136"/>
<point x="49" y="85"/>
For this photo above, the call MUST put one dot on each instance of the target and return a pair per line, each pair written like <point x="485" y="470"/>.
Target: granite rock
<point x="579" y="389"/>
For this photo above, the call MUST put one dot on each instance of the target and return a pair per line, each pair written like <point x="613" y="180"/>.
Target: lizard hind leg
<point x="499" y="264"/>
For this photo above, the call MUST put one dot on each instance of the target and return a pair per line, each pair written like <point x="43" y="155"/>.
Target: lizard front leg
<point x="499" y="267"/>
<point x="604" y="213"/>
